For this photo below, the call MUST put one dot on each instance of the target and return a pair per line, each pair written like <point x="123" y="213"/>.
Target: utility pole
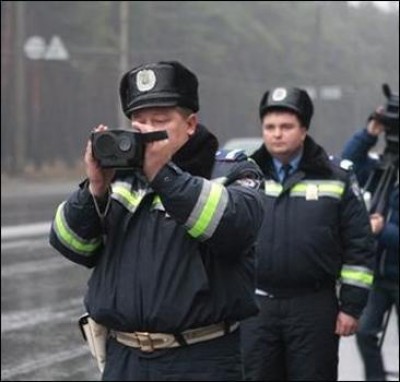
<point x="318" y="103"/>
<point x="124" y="51"/>
<point x="20" y="143"/>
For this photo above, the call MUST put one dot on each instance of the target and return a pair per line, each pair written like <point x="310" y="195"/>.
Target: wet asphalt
<point x="41" y="297"/>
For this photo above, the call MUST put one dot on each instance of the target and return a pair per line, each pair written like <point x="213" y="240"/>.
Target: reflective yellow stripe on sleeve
<point x="357" y="275"/>
<point x="70" y="239"/>
<point x="208" y="210"/>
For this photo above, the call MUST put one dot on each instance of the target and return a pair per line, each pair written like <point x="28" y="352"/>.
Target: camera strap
<point x="102" y="214"/>
<point x="154" y="136"/>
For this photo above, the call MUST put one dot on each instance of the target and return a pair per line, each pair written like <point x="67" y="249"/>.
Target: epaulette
<point x="236" y="155"/>
<point x="347" y="165"/>
<point x="344" y="164"/>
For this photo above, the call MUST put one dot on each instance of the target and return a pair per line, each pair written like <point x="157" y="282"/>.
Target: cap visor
<point x="154" y="100"/>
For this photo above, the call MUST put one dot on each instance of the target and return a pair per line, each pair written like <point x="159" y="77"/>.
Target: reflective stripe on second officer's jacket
<point x="357" y="275"/>
<point x="309" y="189"/>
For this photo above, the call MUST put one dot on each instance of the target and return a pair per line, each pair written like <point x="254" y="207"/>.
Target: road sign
<point x="56" y="50"/>
<point x="36" y="49"/>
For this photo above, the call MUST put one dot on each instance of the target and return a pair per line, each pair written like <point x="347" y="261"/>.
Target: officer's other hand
<point x="375" y="127"/>
<point x="377" y="222"/>
<point x="157" y="153"/>
<point x="99" y="178"/>
<point x="346" y="325"/>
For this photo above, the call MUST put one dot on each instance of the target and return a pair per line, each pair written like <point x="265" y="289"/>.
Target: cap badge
<point x="279" y="94"/>
<point x="145" y="80"/>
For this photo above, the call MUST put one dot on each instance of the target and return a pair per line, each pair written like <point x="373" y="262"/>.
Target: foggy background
<point x="61" y="62"/>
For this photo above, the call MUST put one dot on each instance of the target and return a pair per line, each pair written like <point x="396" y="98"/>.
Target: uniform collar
<point x="294" y="163"/>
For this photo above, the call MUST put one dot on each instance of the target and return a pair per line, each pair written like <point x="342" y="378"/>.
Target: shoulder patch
<point x="249" y="183"/>
<point x="344" y="164"/>
<point x="230" y="155"/>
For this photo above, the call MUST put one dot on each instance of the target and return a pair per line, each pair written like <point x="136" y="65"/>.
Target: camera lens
<point x="124" y="144"/>
<point x="105" y="144"/>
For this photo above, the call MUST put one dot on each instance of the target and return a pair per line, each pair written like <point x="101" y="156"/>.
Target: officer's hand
<point x="157" y="153"/>
<point x="374" y="126"/>
<point x="99" y="178"/>
<point x="346" y="325"/>
<point x="377" y="222"/>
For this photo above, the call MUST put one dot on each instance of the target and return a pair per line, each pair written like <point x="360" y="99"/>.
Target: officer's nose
<point x="277" y="132"/>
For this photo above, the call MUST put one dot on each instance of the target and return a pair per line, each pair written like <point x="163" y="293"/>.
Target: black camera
<point x="390" y="119"/>
<point x="120" y="148"/>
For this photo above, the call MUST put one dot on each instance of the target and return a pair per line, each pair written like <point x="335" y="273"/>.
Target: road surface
<point x="41" y="297"/>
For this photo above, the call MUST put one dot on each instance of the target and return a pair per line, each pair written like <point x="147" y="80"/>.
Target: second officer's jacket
<point x="316" y="230"/>
<point x="174" y="254"/>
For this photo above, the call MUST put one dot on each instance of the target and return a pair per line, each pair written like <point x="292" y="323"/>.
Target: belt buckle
<point x="145" y="341"/>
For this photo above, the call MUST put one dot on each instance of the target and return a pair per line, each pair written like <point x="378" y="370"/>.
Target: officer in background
<point x="385" y="226"/>
<point x="315" y="231"/>
<point x="172" y="252"/>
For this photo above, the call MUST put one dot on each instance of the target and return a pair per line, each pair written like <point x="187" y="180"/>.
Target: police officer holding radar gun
<point x="168" y="225"/>
<point x="315" y="232"/>
<point x="379" y="178"/>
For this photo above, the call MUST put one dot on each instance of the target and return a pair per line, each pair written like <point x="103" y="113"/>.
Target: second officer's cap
<point x="165" y="83"/>
<point x="294" y="99"/>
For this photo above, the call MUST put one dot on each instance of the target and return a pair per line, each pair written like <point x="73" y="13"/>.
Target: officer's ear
<point x="190" y="118"/>
<point x="304" y="133"/>
<point x="192" y="121"/>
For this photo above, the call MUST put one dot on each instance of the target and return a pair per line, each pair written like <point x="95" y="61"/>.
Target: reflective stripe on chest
<point x="203" y="219"/>
<point x="309" y="189"/>
<point x="130" y="199"/>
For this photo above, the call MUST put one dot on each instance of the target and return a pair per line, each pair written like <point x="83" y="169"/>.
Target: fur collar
<point x="197" y="156"/>
<point x="314" y="161"/>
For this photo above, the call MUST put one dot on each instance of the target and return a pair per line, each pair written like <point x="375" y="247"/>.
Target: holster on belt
<point x="96" y="336"/>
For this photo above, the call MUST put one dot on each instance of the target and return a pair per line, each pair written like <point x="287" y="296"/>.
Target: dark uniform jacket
<point x="356" y="150"/>
<point x="174" y="254"/>
<point x="316" y="230"/>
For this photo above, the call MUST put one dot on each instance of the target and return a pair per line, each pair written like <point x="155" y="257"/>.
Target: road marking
<point x="29" y="244"/>
<point x="25" y="230"/>
<point x="44" y="362"/>
<point x="35" y="266"/>
<point x="16" y="320"/>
